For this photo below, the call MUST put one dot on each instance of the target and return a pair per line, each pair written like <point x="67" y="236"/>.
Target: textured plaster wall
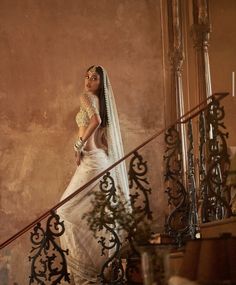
<point x="45" y="47"/>
<point x="222" y="57"/>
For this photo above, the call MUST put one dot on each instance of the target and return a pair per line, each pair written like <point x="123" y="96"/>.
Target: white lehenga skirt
<point x="84" y="259"/>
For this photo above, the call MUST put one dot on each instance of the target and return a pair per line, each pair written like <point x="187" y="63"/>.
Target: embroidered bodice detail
<point x="88" y="107"/>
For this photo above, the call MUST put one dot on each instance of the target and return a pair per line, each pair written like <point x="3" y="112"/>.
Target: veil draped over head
<point x="114" y="140"/>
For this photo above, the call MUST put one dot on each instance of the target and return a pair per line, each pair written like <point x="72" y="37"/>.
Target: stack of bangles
<point x="79" y="144"/>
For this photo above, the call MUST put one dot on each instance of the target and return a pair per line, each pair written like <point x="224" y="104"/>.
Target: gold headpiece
<point x="93" y="69"/>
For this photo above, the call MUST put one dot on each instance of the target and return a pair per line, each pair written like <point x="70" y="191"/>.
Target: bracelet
<point x="79" y="144"/>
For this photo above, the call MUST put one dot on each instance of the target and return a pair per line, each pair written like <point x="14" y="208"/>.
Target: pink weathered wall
<point x="45" y="47"/>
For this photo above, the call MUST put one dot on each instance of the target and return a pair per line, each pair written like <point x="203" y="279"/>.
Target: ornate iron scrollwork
<point x="213" y="168"/>
<point x="48" y="264"/>
<point x="137" y="171"/>
<point x="121" y="220"/>
<point x="203" y="169"/>
<point x="193" y="217"/>
<point x="217" y="164"/>
<point x="177" y="224"/>
<point x="106" y="214"/>
<point x="139" y="230"/>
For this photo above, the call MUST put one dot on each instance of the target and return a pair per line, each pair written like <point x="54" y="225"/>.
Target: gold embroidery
<point x="88" y="107"/>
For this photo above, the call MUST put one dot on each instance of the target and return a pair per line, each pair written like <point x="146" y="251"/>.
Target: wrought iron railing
<point x="203" y="198"/>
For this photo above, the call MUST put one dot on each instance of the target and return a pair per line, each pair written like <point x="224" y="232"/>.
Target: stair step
<point x="217" y="228"/>
<point x="175" y="262"/>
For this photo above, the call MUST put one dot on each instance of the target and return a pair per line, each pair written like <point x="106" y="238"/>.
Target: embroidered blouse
<point x="88" y="107"/>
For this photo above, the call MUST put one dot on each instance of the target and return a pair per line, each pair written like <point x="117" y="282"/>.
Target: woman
<point x="99" y="145"/>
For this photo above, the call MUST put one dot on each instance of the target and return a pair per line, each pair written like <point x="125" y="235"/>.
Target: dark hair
<point x="101" y="97"/>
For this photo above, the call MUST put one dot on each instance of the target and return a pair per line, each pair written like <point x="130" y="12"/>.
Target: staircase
<point x="198" y="207"/>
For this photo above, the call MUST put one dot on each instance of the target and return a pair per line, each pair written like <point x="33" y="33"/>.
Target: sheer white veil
<point x="114" y="140"/>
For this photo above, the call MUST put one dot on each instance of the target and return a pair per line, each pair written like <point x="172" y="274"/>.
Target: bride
<point x="98" y="145"/>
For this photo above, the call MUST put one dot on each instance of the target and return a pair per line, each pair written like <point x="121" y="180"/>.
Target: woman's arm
<point x="90" y="104"/>
<point x="84" y="134"/>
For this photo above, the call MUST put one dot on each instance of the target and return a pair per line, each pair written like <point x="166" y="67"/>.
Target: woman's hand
<point x="78" y="157"/>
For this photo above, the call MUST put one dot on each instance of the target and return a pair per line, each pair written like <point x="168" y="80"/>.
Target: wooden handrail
<point x="187" y="116"/>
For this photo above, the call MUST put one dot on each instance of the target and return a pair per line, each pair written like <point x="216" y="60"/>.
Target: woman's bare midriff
<point x="91" y="142"/>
